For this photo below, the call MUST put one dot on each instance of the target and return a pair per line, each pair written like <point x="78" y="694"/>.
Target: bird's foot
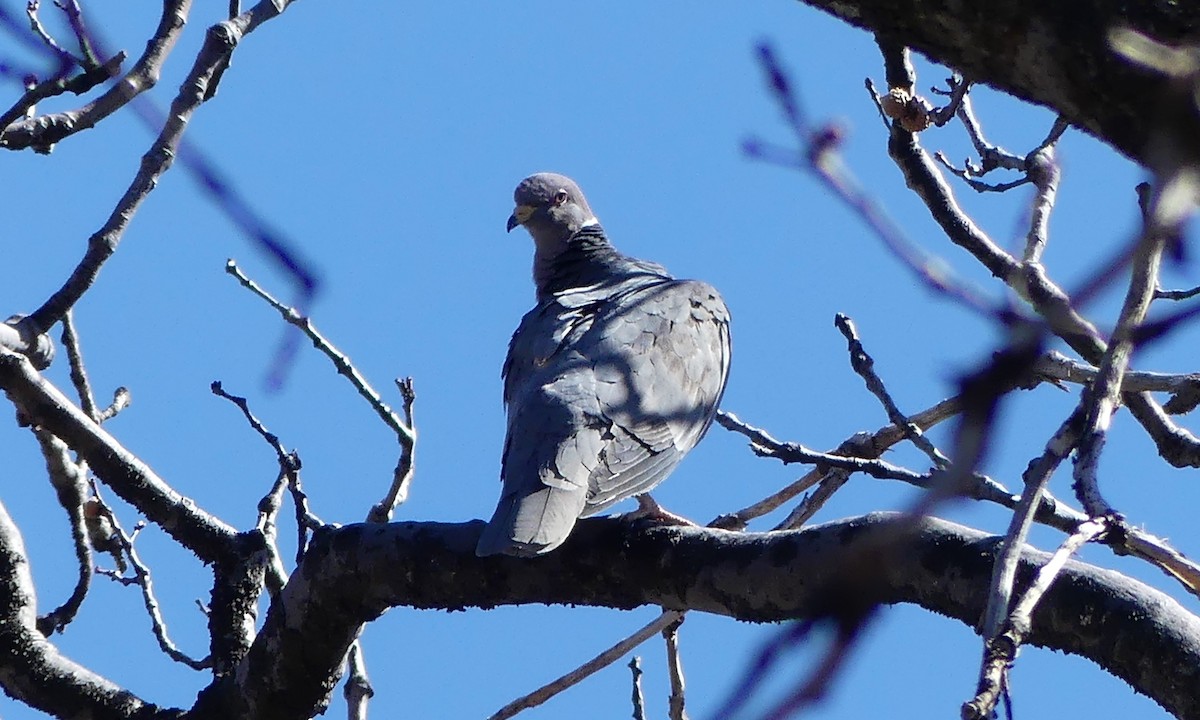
<point x="650" y="511"/>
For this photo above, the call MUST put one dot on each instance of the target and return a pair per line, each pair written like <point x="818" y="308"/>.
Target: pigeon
<point x="610" y="379"/>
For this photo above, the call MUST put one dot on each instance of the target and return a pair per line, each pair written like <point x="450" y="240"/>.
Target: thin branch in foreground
<point x="1030" y="282"/>
<point x="766" y="657"/>
<point x="817" y="154"/>
<point x="847" y="629"/>
<point x="603" y="660"/>
<point x="103" y="243"/>
<point x="818" y="683"/>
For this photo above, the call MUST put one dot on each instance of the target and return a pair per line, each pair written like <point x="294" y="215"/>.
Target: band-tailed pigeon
<point x="610" y="380"/>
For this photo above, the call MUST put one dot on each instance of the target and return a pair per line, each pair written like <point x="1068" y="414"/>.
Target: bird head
<point x="551" y="207"/>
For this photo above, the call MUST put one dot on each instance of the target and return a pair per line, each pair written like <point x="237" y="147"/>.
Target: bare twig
<point x="1044" y="173"/>
<point x="70" y="486"/>
<point x="1157" y="552"/>
<point x="141" y="577"/>
<point x="269" y="505"/>
<point x="1104" y="395"/>
<point x="957" y="92"/>
<point x="66" y="59"/>
<point x="981" y="487"/>
<point x="42" y="132"/>
<point x="676" y="702"/>
<point x="1036" y="477"/>
<point x="35" y="92"/>
<point x="192" y="527"/>
<point x="1054" y="366"/>
<point x="220" y="42"/>
<point x="788" y="453"/>
<point x="121" y="400"/>
<point x="1176" y="294"/>
<point x="639" y="702"/>
<point x="1029" y="281"/>
<point x="864" y="365"/>
<point x="287" y="461"/>
<point x="861" y="445"/>
<point x="811" y="503"/>
<point x="604" y="659"/>
<point x="34" y="669"/>
<point x="79" y="378"/>
<point x="1001" y="650"/>
<point x="340" y="361"/>
<point x="967" y="174"/>
<point x="74" y="15"/>
<point x="276" y="575"/>
<point x="405" y="429"/>
<point x="103" y="243"/>
<point x="357" y="690"/>
<point x="991" y="157"/>
<point x="817" y="154"/>
<point x="402" y="476"/>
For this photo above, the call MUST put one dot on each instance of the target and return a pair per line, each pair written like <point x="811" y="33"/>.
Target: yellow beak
<point x="519" y="216"/>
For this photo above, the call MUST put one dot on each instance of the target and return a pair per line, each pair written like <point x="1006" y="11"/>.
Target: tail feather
<point x="527" y="524"/>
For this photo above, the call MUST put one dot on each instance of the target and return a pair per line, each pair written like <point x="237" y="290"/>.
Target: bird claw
<point x="650" y="511"/>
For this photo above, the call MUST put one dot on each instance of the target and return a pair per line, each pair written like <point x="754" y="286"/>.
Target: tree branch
<point x="1049" y="54"/>
<point x="354" y="573"/>
<point x="31" y="669"/>
<point x="116" y="466"/>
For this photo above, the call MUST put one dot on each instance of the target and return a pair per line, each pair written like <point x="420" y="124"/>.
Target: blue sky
<point x="385" y="145"/>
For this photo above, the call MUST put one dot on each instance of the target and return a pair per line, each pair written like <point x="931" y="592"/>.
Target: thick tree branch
<point x="31" y="669"/>
<point x="352" y="574"/>
<point x="116" y="466"/>
<point x="1051" y="54"/>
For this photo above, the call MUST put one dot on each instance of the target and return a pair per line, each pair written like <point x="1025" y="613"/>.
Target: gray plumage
<point x="610" y="379"/>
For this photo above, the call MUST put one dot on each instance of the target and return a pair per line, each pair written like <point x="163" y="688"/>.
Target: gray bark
<point x="352" y="574"/>
<point x="1054" y="54"/>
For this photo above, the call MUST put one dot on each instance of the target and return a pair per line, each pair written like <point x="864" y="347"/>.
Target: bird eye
<point x="560" y="197"/>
